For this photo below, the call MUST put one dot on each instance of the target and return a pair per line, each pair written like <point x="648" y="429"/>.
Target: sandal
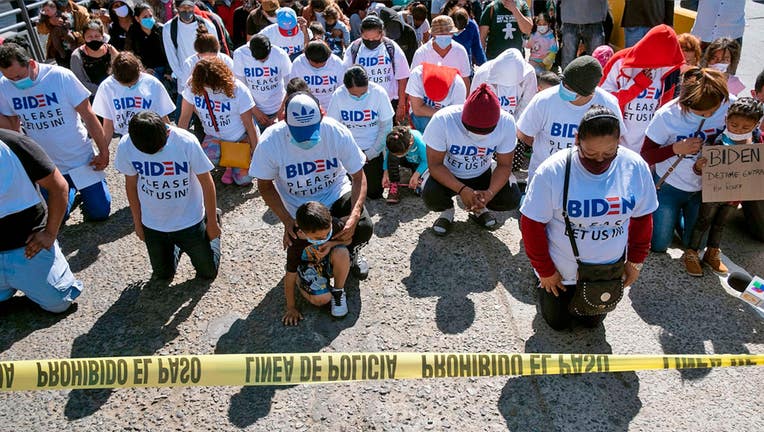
<point x="441" y="227"/>
<point x="486" y="220"/>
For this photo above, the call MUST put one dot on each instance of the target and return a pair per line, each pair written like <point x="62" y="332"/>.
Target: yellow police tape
<point x="311" y="368"/>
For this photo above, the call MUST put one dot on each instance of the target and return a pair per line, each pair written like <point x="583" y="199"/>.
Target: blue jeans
<point x="632" y="35"/>
<point x="420" y="122"/>
<point x="96" y="200"/>
<point x="674" y="204"/>
<point x="592" y="35"/>
<point x="165" y="248"/>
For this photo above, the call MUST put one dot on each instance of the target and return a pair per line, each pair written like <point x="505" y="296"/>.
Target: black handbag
<point x="599" y="287"/>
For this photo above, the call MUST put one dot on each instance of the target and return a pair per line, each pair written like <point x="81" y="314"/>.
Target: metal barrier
<point x="26" y="18"/>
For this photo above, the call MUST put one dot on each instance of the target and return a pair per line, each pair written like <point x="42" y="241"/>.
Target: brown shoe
<point x="692" y="263"/>
<point x="712" y="258"/>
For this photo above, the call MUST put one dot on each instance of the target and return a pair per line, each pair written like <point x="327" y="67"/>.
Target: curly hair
<point x="212" y="73"/>
<point x="746" y="107"/>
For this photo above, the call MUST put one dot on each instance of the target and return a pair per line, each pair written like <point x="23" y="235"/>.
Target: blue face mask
<point x="566" y="95"/>
<point x="305" y="145"/>
<point x="23" y="83"/>
<point x="359" y="98"/>
<point x="443" y="41"/>
<point x="148" y="22"/>
<point x="322" y="241"/>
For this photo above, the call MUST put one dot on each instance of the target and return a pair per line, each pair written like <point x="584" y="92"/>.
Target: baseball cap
<point x="286" y="18"/>
<point x="303" y="117"/>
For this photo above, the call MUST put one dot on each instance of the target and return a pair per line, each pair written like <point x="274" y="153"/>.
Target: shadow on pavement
<point x="591" y="402"/>
<point x="469" y="260"/>
<point x="391" y="217"/>
<point x="263" y="332"/>
<point x="86" y="237"/>
<point x="22" y="317"/>
<point x="144" y="318"/>
<point x="692" y="311"/>
<point x="231" y="196"/>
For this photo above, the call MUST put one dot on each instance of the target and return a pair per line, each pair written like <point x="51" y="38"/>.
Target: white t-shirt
<point x="465" y="157"/>
<point x="168" y="188"/>
<point x="456" y="57"/>
<point x="513" y="99"/>
<point x="185" y="40"/>
<point x="600" y="207"/>
<point x="119" y="103"/>
<point x="457" y="94"/>
<point x="363" y="118"/>
<point x="318" y="174"/>
<point x="553" y="123"/>
<point x="322" y="82"/>
<point x="637" y="113"/>
<point x="267" y="79"/>
<point x="188" y="68"/>
<point x="292" y="45"/>
<point x="227" y="111"/>
<point x="48" y="115"/>
<point x="379" y="66"/>
<point x="17" y="192"/>
<point x="669" y="125"/>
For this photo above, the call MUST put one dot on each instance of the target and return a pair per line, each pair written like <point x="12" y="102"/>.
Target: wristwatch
<point x="637" y="266"/>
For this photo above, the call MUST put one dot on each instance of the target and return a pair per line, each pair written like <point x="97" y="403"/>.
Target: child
<point x="405" y="147"/>
<point x="171" y="196"/>
<point x="742" y="120"/>
<point x="543" y="44"/>
<point x="312" y="259"/>
<point x="547" y="79"/>
<point x="603" y="53"/>
<point x="337" y="34"/>
<point x="318" y="30"/>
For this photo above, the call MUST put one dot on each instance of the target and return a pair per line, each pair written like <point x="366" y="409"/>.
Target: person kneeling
<point x="313" y="259"/>
<point x="174" y="207"/>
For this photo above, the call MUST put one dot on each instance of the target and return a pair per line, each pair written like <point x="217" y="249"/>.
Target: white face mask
<point x="542" y="29"/>
<point x="121" y="11"/>
<point x="738" y="137"/>
<point x="721" y="67"/>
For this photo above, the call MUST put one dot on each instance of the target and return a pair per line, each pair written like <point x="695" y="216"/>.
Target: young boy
<point x="547" y="79"/>
<point x="742" y="121"/>
<point x="171" y="196"/>
<point x="312" y="259"/>
<point x="405" y="147"/>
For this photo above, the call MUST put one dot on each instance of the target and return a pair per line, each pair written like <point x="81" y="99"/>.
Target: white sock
<point x="448" y="214"/>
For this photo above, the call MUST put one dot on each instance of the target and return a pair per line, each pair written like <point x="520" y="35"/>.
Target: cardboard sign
<point x="733" y="173"/>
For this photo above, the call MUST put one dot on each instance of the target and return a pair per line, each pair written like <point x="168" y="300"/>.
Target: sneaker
<point x="219" y="217"/>
<point x="227" y="176"/>
<point x="692" y="263"/>
<point x="712" y="258"/>
<point x="339" y="303"/>
<point x="392" y="194"/>
<point x="359" y="268"/>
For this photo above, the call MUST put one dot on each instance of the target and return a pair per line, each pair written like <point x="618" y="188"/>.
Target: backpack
<point x="222" y="34"/>
<point x="389" y="46"/>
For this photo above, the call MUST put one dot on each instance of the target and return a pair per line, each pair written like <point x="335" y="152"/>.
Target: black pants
<point x="373" y="171"/>
<point x="394" y="164"/>
<point x="440" y="198"/>
<point x="556" y="314"/>
<point x="365" y="228"/>
<point x="165" y="248"/>
<point x="712" y="217"/>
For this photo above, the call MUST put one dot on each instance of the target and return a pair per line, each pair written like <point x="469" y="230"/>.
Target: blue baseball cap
<point x="286" y="18"/>
<point x="303" y="117"/>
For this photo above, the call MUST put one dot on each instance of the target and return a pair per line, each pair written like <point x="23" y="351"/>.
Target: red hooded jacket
<point x="658" y="49"/>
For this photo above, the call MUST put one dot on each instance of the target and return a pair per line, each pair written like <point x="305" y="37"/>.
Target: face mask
<point x="122" y="11"/>
<point x="359" y="98"/>
<point x="596" y="167"/>
<point x="738" y="137"/>
<point x="542" y="29"/>
<point x="23" y="83"/>
<point x="94" y="45"/>
<point x="370" y="44"/>
<point x="148" y="22"/>
<point x="443" y="41"/>
<point x="566" y="95"/>
<point x="721" y="67"/>
<point x="186" y="16"/>
<point x="322" y="241"/>
<point x="305" y="145"/>
<point x="695" y="117"/>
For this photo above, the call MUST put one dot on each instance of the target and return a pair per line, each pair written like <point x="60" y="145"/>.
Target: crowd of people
<point x="321" y="103"/>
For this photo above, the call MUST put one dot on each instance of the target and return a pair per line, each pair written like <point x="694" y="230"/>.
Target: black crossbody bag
<point x="599" y="287"/>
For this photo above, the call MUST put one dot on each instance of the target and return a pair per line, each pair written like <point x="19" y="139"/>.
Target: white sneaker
<point x="339" y="303"/>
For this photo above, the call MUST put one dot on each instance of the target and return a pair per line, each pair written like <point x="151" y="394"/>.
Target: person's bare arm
<point x="419" y="108"/>
<point x="94" y="128"/>
<point x="527" y="140"/>
<point x="273" y="201"/>
<point x="131" y="190"/>
<point x="249" y="125"/>
<point x="443" y="175"/>
<point x="210" y="204"/>
<point x="58" y="198"/>
<point x="484" y="36"/>
<point x="10" y="122"/>
<point x="357" y="199"/>
<point x="186" y="110"/>
<point x="524" y="23"/>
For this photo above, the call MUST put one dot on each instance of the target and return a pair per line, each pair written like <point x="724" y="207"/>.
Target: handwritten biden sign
<point x="733" y="173"/>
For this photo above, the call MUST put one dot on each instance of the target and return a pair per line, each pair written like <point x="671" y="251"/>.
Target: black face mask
<point x="594" y="166"/>
<point x="371" y="44"/>
<point x="186" y="16"/>
<point x="94" y="45"/>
